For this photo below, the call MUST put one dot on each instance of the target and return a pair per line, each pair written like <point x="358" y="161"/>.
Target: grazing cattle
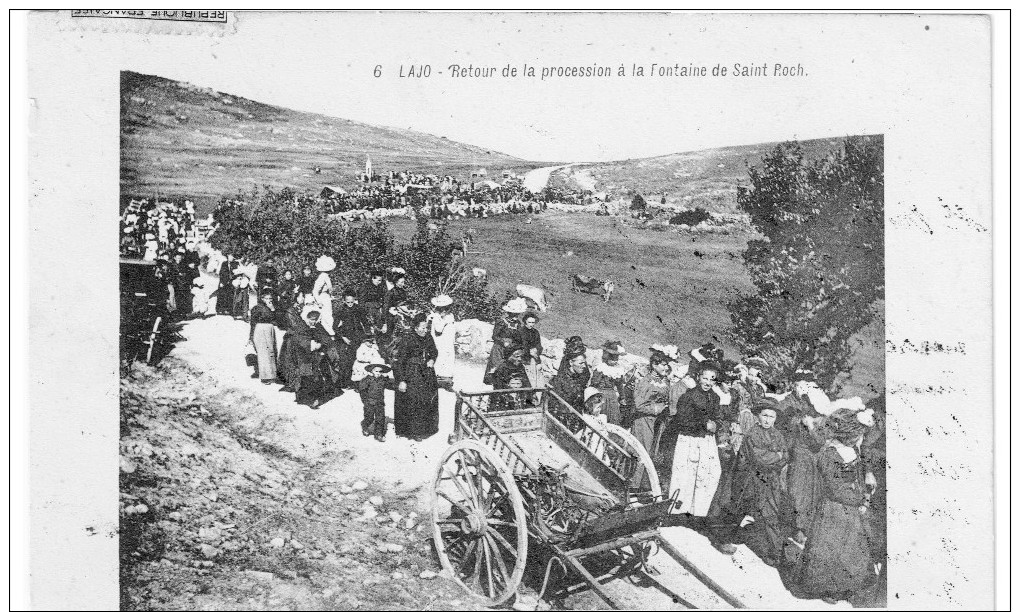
<point x="587" y="284"/>
<point x="535" y="295"/>
<point x="479" y="272"/>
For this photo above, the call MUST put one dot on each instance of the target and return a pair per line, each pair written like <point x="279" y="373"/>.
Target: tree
<point x="819" y="267"/>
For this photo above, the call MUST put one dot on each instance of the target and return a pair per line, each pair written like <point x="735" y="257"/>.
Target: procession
<point x="568" y="384"/>
<point x="751" y="459"/>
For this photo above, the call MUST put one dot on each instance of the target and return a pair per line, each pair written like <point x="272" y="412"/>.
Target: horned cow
<point x="581" y="283"/>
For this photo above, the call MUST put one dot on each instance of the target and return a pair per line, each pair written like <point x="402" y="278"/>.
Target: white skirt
<point x="696" y="473"/>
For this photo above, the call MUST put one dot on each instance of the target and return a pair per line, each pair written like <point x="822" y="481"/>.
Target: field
<point x="706" y="179"/>
<point x="189" y="141"/>
<point x="179" y="139"/>
<point x="670" y="288"/>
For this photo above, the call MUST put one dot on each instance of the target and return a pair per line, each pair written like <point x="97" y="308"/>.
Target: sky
<point x="324" y="62"/>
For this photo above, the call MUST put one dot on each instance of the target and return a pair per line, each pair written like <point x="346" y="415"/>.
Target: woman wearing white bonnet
<point x="322" y="291"/>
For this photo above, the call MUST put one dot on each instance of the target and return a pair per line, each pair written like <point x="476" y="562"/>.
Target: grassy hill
<point x="706" y="179"/>
<point x="183" y="140"/>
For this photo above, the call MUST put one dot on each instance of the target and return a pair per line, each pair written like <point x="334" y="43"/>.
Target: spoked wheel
<point x="628" y="442"/>
<point x="151" y="341"/>
<point x="479" y="526"/>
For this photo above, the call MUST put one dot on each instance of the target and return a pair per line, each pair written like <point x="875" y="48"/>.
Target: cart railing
<point x="474" y="422"/>
<point x="621" y="463"/>
<point x="608" y="462"/>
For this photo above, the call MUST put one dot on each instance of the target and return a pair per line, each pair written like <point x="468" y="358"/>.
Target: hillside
<point x="708" y="178"/>
<point x="179" y="139"/>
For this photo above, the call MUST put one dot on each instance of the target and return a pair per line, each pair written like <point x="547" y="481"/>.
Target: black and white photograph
<point x="531" y="311"/>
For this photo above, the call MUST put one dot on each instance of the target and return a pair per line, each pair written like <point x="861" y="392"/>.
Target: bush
<point x="690" y="217"/>
<point x="819" y="269"/>
<point x="273" y="227"/>
<point x="638" y="203"/>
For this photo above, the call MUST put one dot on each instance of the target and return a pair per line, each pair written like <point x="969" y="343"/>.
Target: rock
<point x="409" y="523"/>
<point x="395" y="516"/>
<point x="345" y="489"/>
<point x="209" y="534"/>
<point x="277" y="542"/>
<point x="263" y="576"/>
<point x="397" y="576"/>
<point x="127" y="466"/>
<point x="209" y="551"/>
<point x="391" y="548"/>
<point x="208" y="564"/>
<point x="360" y="485"/>
<point x="368" y="514"/>
<point x="375" y="500"/>
<point x="428" y="575"/>
<point x="141" y="509"/>
<point x="175" y="516"/>
<point x="296" y="545"/>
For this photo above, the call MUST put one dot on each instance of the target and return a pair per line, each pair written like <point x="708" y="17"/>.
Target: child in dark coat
<point x="373" y="399"/>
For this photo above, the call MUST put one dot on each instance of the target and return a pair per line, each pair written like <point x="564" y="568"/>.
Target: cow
<point x="587" y="284"/>
<point x="538" y="296"/>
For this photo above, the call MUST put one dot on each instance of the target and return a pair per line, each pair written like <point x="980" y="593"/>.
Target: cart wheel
<point x="631" y="444"/>
<point x="479" y="526"/>
<point x="152" y="339"/>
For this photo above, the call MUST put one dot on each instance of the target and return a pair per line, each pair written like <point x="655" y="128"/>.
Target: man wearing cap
<point x="373" y="400"/>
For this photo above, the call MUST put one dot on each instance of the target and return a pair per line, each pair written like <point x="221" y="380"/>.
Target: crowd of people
<point x="369" y="340"/>
<point x="771" y="464"/>
<point x="753" y="460"/>
<point x="166" y="234"/>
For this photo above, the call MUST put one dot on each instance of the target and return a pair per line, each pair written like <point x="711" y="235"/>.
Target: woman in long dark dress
<point x="837" y="561"/>
<point x="225" y="292"/>
<point x="758" y="489"/>
<point x="416" y="408"/>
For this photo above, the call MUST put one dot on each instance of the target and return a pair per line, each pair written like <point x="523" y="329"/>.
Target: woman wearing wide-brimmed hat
<point x="510" y="317"/>
<point x="837" y="562"/>
<point x="442" y="327"/>
<point x="322" y="291"/>
<point x="608" y="377"/>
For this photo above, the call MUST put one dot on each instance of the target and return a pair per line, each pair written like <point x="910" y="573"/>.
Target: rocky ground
<point x="235" y="497"/>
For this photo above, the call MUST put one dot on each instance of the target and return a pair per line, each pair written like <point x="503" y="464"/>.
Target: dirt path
<point x="536" y="180"/>
<point x="331" y="439"/>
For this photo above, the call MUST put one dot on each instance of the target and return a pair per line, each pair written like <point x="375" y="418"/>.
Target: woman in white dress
<point x="442" y="328"/>
<point x="322" y="291"/>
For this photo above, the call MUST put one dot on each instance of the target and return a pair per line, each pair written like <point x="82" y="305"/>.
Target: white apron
<point x="696" y="473"/>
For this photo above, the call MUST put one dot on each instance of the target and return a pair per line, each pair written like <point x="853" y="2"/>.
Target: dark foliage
<point x="288" y="231"/>
<point x="690" y="217"/>
<point x="819" y="268"/>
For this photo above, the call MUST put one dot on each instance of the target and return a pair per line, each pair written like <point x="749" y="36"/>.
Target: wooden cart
<point x="547" y="478"/>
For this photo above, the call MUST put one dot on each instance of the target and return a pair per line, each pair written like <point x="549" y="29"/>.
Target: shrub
<point x="277" y="228"/>
<point x="819" y="268"/>
<point x="638" y="202"/>
<point x="690" y="217"/>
